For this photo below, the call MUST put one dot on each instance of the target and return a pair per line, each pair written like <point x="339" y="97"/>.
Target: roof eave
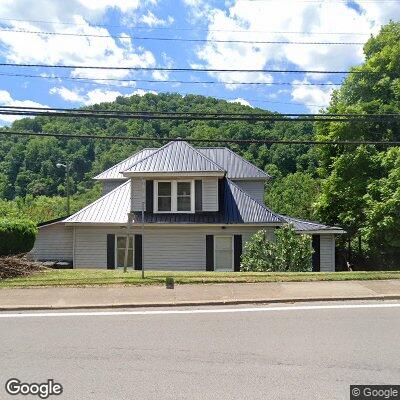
<point x="129" y="174"/>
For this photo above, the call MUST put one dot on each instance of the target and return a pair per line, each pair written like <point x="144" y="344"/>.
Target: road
<point x="303" y="351"/>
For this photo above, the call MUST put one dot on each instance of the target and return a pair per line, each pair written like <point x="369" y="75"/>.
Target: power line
<point x="169" y="39"/>
<point x="88" y="79"/>
<point x="173" y="69"/>
<point x="224" y="117"/>
<point x="195" y="140"/>
<point x="169" y="28"/>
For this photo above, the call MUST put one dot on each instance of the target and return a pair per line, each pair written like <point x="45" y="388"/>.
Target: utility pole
<point x="143" y="200"/>
<point x="67" y="167"/>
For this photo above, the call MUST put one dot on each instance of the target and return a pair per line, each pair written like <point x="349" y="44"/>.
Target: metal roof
<point x="236" y="166"/>
<point x="175" y="157"/>
<point x="307" y="226"/>
<point x="238" y="208"/>
<point x="111" y="208"/>
<point x="115" y="171"/>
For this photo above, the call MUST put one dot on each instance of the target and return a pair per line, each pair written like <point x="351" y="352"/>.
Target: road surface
<point x="302" y="351"/>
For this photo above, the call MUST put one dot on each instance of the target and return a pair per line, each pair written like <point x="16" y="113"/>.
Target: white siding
<point x="164" y="248"/>
<point x="53" y="242"/>
<point x="254" y="188"/>
<point x="210" y="194"/>
<point x="327" y="256"/>
<point x="137" y="194"/>
<point x="111" y="185"/>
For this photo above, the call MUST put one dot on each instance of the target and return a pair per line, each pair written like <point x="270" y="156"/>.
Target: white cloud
<point x="47" y="49"/>
<point x="240" y="101"/>
<point x="7" y="100"/>
<point x="251" y="21"/>
<point x="151" y="20"/>
<point x="94" y="96"/>
<point x="313" y="97"/>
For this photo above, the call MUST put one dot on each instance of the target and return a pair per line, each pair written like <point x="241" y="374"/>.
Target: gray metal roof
<point x="238" y="208"/>
<point x="308" y="226"/>
<point x="236" y="166"/>
<point x="174" y="157"/>
<point x="115" y="171"/>
<point x="111" y="208"/>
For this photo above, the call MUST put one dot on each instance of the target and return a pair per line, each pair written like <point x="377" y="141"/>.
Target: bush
<point x="289" y="252"/>
<point x="16" y="236"/>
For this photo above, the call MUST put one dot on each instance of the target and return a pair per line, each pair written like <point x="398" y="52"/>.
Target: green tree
<point x="293" y="195"/>
<point x="289" y="252"/>
<point x="350" y="174"/>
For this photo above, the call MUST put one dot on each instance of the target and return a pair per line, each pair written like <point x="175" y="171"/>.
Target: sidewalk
<point x="185" y="295"/>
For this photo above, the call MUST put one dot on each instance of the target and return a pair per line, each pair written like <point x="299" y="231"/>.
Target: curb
<point x="202" y="303"/>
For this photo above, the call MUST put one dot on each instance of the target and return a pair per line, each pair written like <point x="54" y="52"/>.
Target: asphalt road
<point x="270" y="354"/>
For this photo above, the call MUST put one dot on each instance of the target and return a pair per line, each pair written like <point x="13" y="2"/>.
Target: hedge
<point x="16" y="236"/>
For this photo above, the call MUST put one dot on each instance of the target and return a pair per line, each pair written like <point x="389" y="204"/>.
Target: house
<point x="184" y="208"/>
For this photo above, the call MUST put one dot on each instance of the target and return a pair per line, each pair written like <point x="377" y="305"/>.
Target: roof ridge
<point x="255" y="200"/>
<point x="96" y="201"/>
<point x="115" y="165"/>
<point x="169" y="144"/>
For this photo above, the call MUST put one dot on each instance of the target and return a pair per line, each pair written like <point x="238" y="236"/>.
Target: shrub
<point x="289" y="252"/>
<point x="16" y="236"/>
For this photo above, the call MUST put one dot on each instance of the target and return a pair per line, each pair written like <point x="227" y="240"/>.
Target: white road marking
<point x="198" y="311"/>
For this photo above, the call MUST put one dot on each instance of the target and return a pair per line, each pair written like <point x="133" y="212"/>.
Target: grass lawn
<point x="90" y="277"/>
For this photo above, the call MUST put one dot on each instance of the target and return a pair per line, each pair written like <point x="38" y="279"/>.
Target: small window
<point x="164" y="196"/>
<point x="120" y="250"/>
<point x="184" y="199"/>
<point x="174" y="196"/>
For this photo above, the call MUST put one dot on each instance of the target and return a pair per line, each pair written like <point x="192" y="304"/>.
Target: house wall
<point x="164" y="248"/>
<point x="137" y="195"/>
<point x="53" y="242"/>
<point x="108" y="186"/>
<point x="327" y="256"/>
<point x="254" y="188"/>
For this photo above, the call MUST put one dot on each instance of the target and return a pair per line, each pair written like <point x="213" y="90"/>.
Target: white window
<point x="120" y="251"/>
<point x="174" y="196"/>
<point x="223" y="253"/>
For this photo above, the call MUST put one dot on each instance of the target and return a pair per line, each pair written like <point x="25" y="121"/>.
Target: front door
<point x="223" y="248"/>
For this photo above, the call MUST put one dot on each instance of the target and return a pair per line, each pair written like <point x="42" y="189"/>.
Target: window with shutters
<point x="223" y="253"/>
<point x="174" y="196"/>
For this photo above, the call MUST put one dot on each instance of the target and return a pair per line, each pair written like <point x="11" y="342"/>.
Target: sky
<point x="125" y="33"/>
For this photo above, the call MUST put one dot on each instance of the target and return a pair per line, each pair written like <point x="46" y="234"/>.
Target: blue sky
<point x="250" y="20"/>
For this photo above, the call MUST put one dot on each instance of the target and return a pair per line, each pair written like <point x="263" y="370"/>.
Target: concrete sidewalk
<point x="184" y="295"/>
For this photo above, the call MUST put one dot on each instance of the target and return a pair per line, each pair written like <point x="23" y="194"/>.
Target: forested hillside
<point x="28" y="164"/>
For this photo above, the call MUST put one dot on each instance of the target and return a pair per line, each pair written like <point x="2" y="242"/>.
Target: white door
<point x="223" y="253"/>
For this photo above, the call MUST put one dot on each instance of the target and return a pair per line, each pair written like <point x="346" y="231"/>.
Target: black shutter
<point x="316" y="257"/>
<point x="237" y="252"/>
<point x="138" y="252"/>
<point x="198" y="193"/>
<point x="110" y="251"/>
<point x="210" y="252"/>
<point x="149" y="196"/>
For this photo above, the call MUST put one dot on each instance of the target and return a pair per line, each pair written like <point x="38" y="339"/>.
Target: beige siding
<point x="53" y="242"/>
<point x="164" y="248"/>
<point x="254" y="188"/>
<point x="210" y="194"/>
<point x="137" y="194"/>
<point x="327" y="256"/>
<point x="108" y="186"/>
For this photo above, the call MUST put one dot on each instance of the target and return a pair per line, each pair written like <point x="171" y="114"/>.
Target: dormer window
<point x="174" y="196"/>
